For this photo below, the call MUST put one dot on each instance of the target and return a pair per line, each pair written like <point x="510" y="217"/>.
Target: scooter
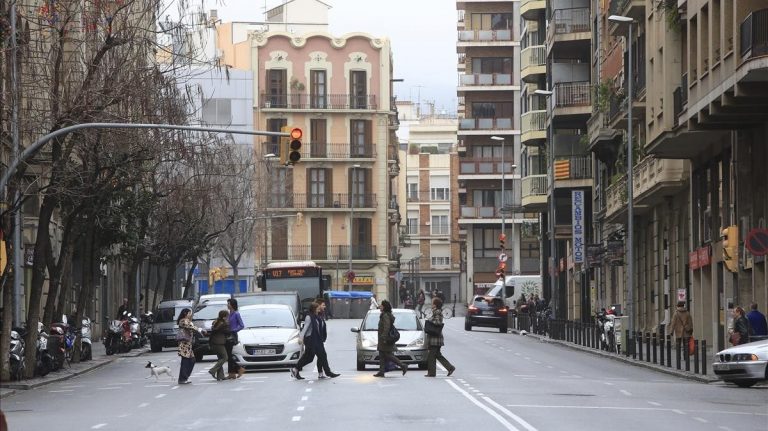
<point x="135" y="331"/>
<point x="145" y="326"/>
<point x="16" y="354"/>
<point x="610" y="338"/>
<point x="113" y="339"/>
<point x="44" y="364"/>
<point x="86" y="350"/>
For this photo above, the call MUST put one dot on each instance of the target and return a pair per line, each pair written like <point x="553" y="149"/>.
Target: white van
<point x="516" y="285"/>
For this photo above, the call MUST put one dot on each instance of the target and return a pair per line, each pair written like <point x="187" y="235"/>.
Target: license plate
<point x="264" y="352"/>
<point x="488" y="313"/>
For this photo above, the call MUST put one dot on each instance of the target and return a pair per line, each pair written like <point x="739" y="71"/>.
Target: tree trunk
<point x="157" y="285"/>
<point x="189" y="291"/>
<point x="147" y="306"/>
<point x="170" y="271"/>
<point x="86" y="290"/>
<point x="6" y="283"/>
<point x="135" y="262"/>
<point x="65" y="281"/>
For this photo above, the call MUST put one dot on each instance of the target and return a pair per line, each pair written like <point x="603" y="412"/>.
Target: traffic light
<point x="284" y="145"/>
<point x="294" y="146"/>
<point x="731" y="247"/>
<point x="502" y="239"/>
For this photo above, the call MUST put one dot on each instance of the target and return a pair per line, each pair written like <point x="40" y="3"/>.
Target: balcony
<point x="753" y="35"/>
<point x="482" y="126"/>
<point x="630" y="8"/>
<point x="442" y="229"/>
<point x="469" y="38"/>
<point x="330" y="201"/>
<point x="533" y="127"/>
<point x="533" y="62"/>
<point x="602" y="138"/>
<point x="318" y="252"/>
<point x="312" y="102"/>
<point x="570" y="24"/>
<point x="529" y="9"/>
<point x="470" y="169"/>
<point x="534" y="192"/>
<point x="572" y="171"/>
<point x="485" y="81"/>
<point x="476" y="214"/>
<point x="573" y="98"/>
<point x="337" y="151"/>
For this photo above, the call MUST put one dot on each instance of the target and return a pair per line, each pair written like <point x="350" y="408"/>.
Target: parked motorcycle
<point x="113" y="341"/>
<point x="145" y="326"/>
<point x="16" y="354"/>
<point x="44" y="363"/>
<point x="135" y="328"/>
<point x="610" y="338"/>
<point x="86" y="350"/>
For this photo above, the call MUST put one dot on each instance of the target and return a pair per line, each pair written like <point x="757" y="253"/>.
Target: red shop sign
<point x="693" y="259"/>
<point x="704" y="258"/>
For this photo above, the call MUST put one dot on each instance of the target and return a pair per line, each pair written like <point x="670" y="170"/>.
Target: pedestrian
<point x="435" y="342"/>
<point x="186" y="327"/>
<point x="323" y="369"/>
<point x="741" y="330"/>
<point x="374" y="303"/>
<point x="403" y="293"/>
<point x="122" y="309"/>
<point x="757" y="322"/>
<point x="218" y="343"/>
<point x="682" y="324"/>
<point x="420" y="301"/>
<point x="234" y="370"/>
<point x="386" y="345"/>
<point x="310" y="339"/>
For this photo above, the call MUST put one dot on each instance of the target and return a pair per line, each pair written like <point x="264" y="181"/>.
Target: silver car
<point x="270" y="338"/>
<point x="743" y="365"/>
<point x="410" y="347"/>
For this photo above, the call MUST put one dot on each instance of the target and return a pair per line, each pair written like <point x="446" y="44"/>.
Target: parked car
<point x="164" y="327"/>
<point x="290" y="299"/>
<point x="410" y="347"/>
<point x="270" y="338"/>
<point x="202" y="317"/>
<point x="744" y="365"/>
<point x="212" y="297"/>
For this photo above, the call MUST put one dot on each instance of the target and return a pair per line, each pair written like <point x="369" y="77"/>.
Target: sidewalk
<point x="655" y="367"/>
<point x="100" y="359"/>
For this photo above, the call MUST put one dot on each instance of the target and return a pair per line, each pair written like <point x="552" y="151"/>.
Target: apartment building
<point x="337" y="89"/>
<point x="431" y="254"/>
<point x="488" y="179"/>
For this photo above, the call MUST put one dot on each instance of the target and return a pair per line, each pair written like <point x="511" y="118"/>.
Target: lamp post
<point x="500" y="139"/>
<point x="630" y="204"/>
<point x="351" y="218"/>
<point x="552" y="242"/>
<point x="268" y="158"/>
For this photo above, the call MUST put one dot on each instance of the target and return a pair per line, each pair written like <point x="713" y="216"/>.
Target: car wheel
<point x="467" y="326"/>
<point x="746" y="383"/>
<point x="360" y="366"/>
<point x="503" y="329"/>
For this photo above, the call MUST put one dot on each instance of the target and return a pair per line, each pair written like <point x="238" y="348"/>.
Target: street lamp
<point x="552" y="241"/>
<point x="630" y="204"/>
<point x="351" y="217"/>
<point x="500" y="139"/>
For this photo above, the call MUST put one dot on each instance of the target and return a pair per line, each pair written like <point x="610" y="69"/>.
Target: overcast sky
<point x="423" y="35"/>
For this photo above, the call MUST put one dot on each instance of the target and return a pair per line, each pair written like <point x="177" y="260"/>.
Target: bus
<point x="302" y="277"/>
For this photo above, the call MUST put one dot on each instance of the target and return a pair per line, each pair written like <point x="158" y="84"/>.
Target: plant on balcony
<point x="602" y="96"/>
<point x="671" y="13"/>
<point x="413" y="149"/>
<point x="296" y="85"/>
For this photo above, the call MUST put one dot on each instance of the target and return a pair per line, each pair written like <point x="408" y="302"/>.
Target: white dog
<point x="154" y="370"/>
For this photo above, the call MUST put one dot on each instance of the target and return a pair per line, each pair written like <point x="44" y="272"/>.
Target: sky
<point x="422" y="32"/>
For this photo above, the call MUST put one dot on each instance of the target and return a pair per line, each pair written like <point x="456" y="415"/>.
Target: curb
<point x="654" y="367"/>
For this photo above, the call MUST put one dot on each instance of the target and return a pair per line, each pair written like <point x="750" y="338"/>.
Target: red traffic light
<point x="296" y="133"/>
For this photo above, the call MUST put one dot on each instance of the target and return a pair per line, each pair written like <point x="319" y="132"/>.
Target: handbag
<point x="735" y="338"/>
<point x="433" y="329"/>
<point x="232" y="338"/>
<point x="394" y="334"/>
<point x="691" y="346"/>
<point x="183" y="335"/>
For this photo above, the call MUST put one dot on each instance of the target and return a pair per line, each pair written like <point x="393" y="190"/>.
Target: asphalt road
<point x="502" y="382"/>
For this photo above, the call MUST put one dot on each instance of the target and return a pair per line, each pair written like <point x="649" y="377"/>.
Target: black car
<point x="489" y="310"/>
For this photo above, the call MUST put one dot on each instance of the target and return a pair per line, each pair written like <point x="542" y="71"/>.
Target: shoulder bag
<point x="433" y="329"/>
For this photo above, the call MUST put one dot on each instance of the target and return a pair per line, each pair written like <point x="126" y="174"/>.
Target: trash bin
<point x="339" y="304"/>
<point x="360" y="303"/>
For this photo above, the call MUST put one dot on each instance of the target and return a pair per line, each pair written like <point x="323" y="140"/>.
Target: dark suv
<point x="164" y="327"/>
<point x="489" y="310"/>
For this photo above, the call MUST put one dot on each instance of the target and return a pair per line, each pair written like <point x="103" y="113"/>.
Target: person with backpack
<point x="388" y="336"/>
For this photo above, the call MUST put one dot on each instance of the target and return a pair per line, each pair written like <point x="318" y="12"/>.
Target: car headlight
<point x="368" y="343"/>
<point x="418" y="342"/>
<point x="739" y="357"/>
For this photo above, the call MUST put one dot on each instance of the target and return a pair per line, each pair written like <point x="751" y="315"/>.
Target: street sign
<point x="757" y="241"/>
<point x="502" y="257"/>
<point x="681" y="295"/>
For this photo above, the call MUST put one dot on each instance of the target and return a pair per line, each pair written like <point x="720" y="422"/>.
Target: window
<point x="441" y="261"/>
<point x="359" y="188"/>
<point x="492" y="152"/>
<point x="361" y="239"/>
<point x="412" y="225"/>
<point x="492" y="65"/>
<point x="492" y="110"/>
<point x="318" y="90"/>
<point x="439" y="187"/>
<point x="491" y="198"/>
<point x="276" y="88"/>
<point x="318" y="143"/>
<point x="440" y="194"/>
<point x="319" y="188"/>
<point x="485" y="242"/>
<point x="273" y="144"/>
<point x="282" y="182"/>
<point x="217" y="111"/>
<point x="358" y="94"/>
<point x="360" y="141"/>
<point x="440" y="225"/>
<point x="443" y="286"/>
<point x="413" y="191"/>
<point x="490" y="21"/>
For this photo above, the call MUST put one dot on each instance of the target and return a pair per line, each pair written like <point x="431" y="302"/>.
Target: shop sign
<point x="693" y="259"/>
<point x="704" y="258"/>
<point x="577" y="208"/>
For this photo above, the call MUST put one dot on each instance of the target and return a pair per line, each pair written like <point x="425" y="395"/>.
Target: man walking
<point x="757" y="322"/>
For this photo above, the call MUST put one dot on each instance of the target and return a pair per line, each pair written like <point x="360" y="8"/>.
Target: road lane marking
<point x="680" y="412"/>
<point x="296" y="418"/>
<point x="659" y="409"/>
<point x="63" y="390"/>
<point x="702" y="420"/>
<point x="142" y="405"/>
<point x="625" y="392"/>
<point x="308" y="390"/>
<point x="304" y="398"/>
<point x="724" y="428"/>
<point x="300" y="409"/>
<point x="608" y="383"/>
<point x="107" y="389"/>
<point x="523" y="375"/>
<point x="159" y="396"/>
<point x="654" y="403"/>
<point x="98" y="426"/>
<point x="515" y="417"/>
<point x="487" y="409"/>
<point x="73" y="386"/>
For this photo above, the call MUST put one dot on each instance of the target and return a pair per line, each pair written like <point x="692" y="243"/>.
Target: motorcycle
<point x="610" y="338"/>
<point x="114" y="341"/>
<point x="57" y="344"/>
<point x="16" y="354"/>
<point x="135" y="329"/>
<point x="44" y="364"/>
<point x="86" y="350"/>
<point x="145" y="326"/>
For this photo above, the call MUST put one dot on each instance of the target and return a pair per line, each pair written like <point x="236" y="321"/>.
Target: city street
<point x="503" y="381"/>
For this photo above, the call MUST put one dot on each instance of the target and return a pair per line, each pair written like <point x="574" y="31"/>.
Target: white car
<point x="270" y="338"/>
<point x="743" y="365"/>
<point x="410" y="347"/>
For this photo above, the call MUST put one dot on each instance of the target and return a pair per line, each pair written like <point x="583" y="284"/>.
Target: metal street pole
<point x="18" y="265"/>
<point x="351" y="218"/>
<point x="551" y="187"/>
<point x="503" y="221"/>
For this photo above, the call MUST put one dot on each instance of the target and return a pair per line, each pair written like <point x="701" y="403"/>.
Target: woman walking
<point x="323" y="369"/>
<point x="218" y="342"/>
<point x="186" y="329"/>
<point x="436" y="342"/>
<point x="386" y="345"/>
<point x="741" y="329"/>
<point x="235" y="325"/>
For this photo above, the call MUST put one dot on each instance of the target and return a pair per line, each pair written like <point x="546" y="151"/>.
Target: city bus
<point x="302" y="277"/>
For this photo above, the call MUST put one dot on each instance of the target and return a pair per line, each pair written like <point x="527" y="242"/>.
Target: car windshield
<point x="289" y="300"/>
<point x="164" y="315"/>
<point x="208" y="311"/>
<point x="268" y="318"/>
<point x="404" y="321"/>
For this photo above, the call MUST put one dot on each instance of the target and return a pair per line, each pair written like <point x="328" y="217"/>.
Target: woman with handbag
<point x="234" y="370"/>
<point x="185" y="337"/>
<point x="433" y="332"/>
<point x="740" y="333"/>
<point x="218" y="342"/>
<point x="386" y="346"/>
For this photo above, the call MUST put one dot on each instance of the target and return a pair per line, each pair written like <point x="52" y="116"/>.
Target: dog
<point x="156" y="371"/>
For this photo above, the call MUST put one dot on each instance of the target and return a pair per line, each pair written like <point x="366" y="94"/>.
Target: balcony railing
<point x="533" y="56"/>
<point x="320" y="201"/>
<point x="533" y="121"/>
<point x="480" y="212"/>
<point x="485" y="35"/>
<point x="307" y="101"/>
<point x="574" y="20"/>
<point x="754" y="34"/>
<point x="337" y="151"/>
<point x="318" y="252"/>
<point x="485" y="166"/>
<point x="535" y="185"/>
<point x="573" y="168"/>
<point x="485" y="123"/>
<point x="569" y="94"/>
<point x="486" y="79"/>
<point x="426" y="230"/>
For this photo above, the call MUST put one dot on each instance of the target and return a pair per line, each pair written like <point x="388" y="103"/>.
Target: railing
<point x="324" y="200"/>
<point x="616" y="196"/>
<point x="426" y="230"/>
<point x="684" y="86"/>
<point x="753" y="34"/>
<point x="485" y="35"/>
<point x="533" y="56"/>
<point x="574" y="20"/>
<point x="617" y="6"/>
<point x="318" y="252"/>
<point x="677" y="104"/>
<point x="535" y="185"/>
<point x="337" y="151"/>
<point x="533" y="121"/>
<point x="486" y="79"/>
<point x="480" y="212"/>
<point x="485" y="166"/>
<point x="485" y="123"/>
<point x="307" y="101"/>
<point x="569" y="94"/>
<point x="573" y="168"/>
